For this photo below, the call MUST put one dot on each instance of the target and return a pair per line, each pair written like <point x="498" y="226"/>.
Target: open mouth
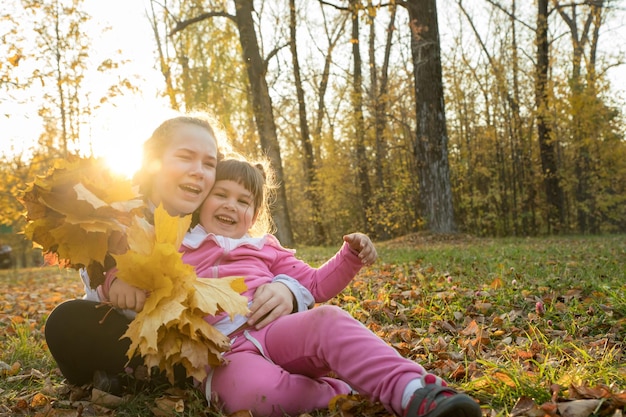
<point x="224" y="219"/>
<point x="190" y="189"/>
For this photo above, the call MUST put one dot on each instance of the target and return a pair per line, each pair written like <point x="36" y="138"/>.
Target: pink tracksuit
<point x="282" y="368"/>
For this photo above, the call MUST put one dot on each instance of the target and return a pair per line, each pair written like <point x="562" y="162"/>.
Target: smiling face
<point x="228" y="210"/>
<point x="184" y="175"/>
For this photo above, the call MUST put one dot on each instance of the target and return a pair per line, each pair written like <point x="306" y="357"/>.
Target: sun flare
<point x="124" y="163"/>
<point x="118" y="136"/>
<point x="120" y="147"/>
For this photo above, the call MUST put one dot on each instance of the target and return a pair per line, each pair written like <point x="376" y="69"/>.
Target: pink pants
<point x="289" y="375"/>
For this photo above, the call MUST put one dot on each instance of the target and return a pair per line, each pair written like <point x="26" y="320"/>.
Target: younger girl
<point x="178" y="171"/>
<point x="283" y="368"/>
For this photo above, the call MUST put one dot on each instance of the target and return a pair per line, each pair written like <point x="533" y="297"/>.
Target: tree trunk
<point x="263" y="113"/>
<point x="584" y="133"/>
<point x="431" y="141"/>
<point x="547" y="148"/>
<point x="359" y="122"/>
<point x="379" y="96"/>
<point x="305" y="138"/>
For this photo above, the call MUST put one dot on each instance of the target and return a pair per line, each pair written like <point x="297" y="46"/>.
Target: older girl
<point x="178" y="171"/>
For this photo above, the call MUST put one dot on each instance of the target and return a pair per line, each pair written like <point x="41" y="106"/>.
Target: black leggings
<point x="84" y="337"/>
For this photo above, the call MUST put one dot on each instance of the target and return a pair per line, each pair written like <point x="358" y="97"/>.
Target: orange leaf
<point x="496" y="283"/>
<point x="471" y="329"/>
<point x="39" y="400"/>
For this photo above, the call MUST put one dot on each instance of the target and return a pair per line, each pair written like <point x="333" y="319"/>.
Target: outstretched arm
<point x="332" y="277"/>
<point x="363" y="246"/>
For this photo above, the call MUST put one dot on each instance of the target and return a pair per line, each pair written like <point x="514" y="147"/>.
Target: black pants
<point x="84" y="336"/>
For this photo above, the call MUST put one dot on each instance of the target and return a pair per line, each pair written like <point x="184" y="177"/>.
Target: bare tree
<point x="431" y="139"/>
<point x="547" y="146"/>
<point x="359" y="121"/>
<point x="379" y="97"/>
<point x="305" y="138"/>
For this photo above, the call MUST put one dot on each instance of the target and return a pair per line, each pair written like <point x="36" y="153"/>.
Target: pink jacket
<point x="259" y="260"/>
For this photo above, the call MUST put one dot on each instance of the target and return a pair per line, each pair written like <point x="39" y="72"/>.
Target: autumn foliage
<point x="78" y="214"/>
<point x="81" y="214"/>
<point x="529" y="327"/>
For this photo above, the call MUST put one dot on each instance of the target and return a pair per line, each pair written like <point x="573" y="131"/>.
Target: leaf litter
<point x="485" y="338"/>
<point x="408" y="314"/>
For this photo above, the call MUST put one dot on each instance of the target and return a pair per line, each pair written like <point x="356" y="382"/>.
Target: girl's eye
<point x="244" y="202"/>
<point x="209" y="164"/>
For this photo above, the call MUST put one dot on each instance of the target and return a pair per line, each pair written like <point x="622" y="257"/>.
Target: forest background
<point x="512" y="129"/>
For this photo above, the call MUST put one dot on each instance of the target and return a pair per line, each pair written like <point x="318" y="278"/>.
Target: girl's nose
<point x="197" y="168"/>
<point x="229" y="205"/>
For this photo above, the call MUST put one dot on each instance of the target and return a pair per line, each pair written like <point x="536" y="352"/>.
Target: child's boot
<point x="436" y="399"/>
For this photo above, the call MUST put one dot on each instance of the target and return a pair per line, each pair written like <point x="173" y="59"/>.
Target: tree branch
<point x="182" y="25"/>
<point x="273" y="53"/>
<point x="333" y="5"/>
<point x="509" y="14"/>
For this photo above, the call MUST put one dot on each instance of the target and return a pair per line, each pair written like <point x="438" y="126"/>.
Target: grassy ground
<point x="506" y="320"/>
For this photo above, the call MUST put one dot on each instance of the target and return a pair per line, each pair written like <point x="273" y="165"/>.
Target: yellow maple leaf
<point x="140" y="236"/>
<point x="146" y="270"/>
<point x="39" y="232"/>
<point x="194" y="324"/>
<point x="215" y="294"/>
<point x="170" y="328"/>
<point x="79" y="245"/>
<point x="170" y="229"/>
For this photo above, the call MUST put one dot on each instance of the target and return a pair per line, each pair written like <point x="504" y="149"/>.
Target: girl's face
<point x="186" y="172"/>
<point x="228" y="210"/>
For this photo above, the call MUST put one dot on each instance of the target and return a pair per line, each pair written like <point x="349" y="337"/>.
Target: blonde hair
<point x="258" y="178"/>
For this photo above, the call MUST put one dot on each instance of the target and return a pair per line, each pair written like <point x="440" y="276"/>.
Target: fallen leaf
<point x="105" y="399"/>
<point x="578" y="408"/>
<point x="168" y="406"/>
<point x="526" y="407"/>
<point x="241" y="413"/>
<point x="39" y="400"/>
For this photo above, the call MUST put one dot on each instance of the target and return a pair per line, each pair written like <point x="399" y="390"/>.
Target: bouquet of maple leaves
<point x="84" y="216"/>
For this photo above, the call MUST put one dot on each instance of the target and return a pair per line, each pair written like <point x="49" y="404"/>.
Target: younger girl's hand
<point x="125" y="296"/>
<point x="362" y="245"/>
<point x="270" y="302"/>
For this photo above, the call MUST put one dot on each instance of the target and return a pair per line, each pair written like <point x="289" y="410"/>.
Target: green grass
<point x="498" y="318"/>
<point x="577" y="339"/>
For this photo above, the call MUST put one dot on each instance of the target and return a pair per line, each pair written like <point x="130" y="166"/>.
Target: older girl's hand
<point x="125" y="296"/>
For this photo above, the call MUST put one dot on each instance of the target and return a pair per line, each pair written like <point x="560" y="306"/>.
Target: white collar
<point x="194" y="238"/>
